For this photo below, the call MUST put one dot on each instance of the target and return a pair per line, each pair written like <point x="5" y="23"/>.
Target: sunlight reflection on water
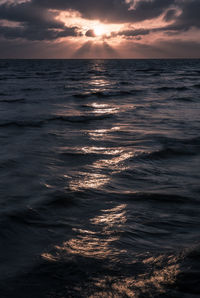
<point x="143" y="285"/>
<point x="102" y="150"/>
<point x="104" y="236"/>
<point x="104" y="109"/>
<point x="99" y="82"/>
<point x="99" y="243"/>
<point x="94" y="180"/>
<point x="88" y="181"/>
<point x="102" y="133"/>
<point x="96" y="243"/>
<point x="113" y="164"/>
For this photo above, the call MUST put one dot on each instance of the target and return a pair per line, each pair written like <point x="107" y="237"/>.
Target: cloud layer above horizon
<point x="130" y="29"/>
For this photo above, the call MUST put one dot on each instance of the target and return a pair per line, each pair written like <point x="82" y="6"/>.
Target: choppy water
<point x="99" y="178"/>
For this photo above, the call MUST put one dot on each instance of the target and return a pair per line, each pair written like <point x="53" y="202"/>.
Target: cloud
<point x="30" y="14"/>
<point x="90" y="33"/>
<point x="36" y="33"/>
<point x="170" y="15"/>
<point x="112" y="11"/>
<point x="39" y="21"/>
<point x="131" y="33"/>
<point x="36" y="23"/>
<point x="188" y="18"/>
<point x="43" y="14"/>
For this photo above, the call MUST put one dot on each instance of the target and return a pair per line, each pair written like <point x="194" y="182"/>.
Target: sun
<point x="99" y="30"/>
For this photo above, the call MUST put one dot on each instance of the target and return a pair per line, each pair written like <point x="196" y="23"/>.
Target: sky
<point x="100" y="29"/>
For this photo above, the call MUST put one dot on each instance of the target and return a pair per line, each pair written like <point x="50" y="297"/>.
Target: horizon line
<point x="163" y="58"/>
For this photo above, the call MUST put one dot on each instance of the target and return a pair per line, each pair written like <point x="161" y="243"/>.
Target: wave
<point x="184" y="99"/>
<point x="171" y="148"/>
<point x="196" y="86"/>
<point x="192" y="74"/>
<point x="74" y="156"/>
<point x="188" y="277"/>
<point x="47" y="73"/>
<point x="170" y="141"/>
<point x="53" y="73"/>
<point x="22" y="123"/>
<point x="149" y="70"/>
<point x="107" y="94"/>
<point x="23" y="77"/>
<point x="80" y="119"/>
<point x="40" y="73"/>
<point x="4" y="79"/>
<point x="192" y="141"/>
<point x="162" y="198"/>
<point x="84" y="155"/>
<point x="62" y="199"/>
<point x="189" y="144"/>
<point x="32" y="217"/>
<point x="124" y="83"/>
<point x="166" y="153"/>
<point x="13" y="100"/>
<point x="78" y="79"/>
<point x="70" y="119"/>
<point x="25" y="216"/>
<point x="166" y="88"/>
<point x="9" y="163"/>
<point x="31" y="89"/>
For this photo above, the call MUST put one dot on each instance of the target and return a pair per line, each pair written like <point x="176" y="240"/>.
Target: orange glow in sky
<point x="99" y="30"/>
<point x="111" y="29"/>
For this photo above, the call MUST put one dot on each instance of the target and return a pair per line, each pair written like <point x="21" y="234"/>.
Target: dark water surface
<point x="99" y="178"/>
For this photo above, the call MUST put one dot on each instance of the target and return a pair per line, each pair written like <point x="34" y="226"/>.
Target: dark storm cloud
<point x="189" y="17"/>
<point x="36" y="33"/>
<point x="131" y="33"/>
<point x="29" y="14"/>
<point x="183" y="15"/>
<point x="116" y="11"/>
<point x="38" y="20"/>
<point x="119" y="11"/>
<point x="170" y="15"/>
<point x="36" y="23"/>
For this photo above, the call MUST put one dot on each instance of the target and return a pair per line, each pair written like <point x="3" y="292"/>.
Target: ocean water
<point x="99" y="178"/>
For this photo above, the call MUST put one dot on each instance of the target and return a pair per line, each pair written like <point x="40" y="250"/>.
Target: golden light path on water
<point x="94" y="178"/>
<point x="106" y="228"/>
<point x="93" y="243"/>
<point x="98" y="243"/>
<point x="141" y="286"/>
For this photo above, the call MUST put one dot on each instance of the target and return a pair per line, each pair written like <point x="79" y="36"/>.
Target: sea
<point x="100" y="178"/>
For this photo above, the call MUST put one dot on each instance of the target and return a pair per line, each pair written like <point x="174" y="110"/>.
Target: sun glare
<point x="99" y="31"/>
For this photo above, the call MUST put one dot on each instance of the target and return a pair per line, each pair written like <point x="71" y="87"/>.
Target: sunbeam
<point x="96" y="50"/>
